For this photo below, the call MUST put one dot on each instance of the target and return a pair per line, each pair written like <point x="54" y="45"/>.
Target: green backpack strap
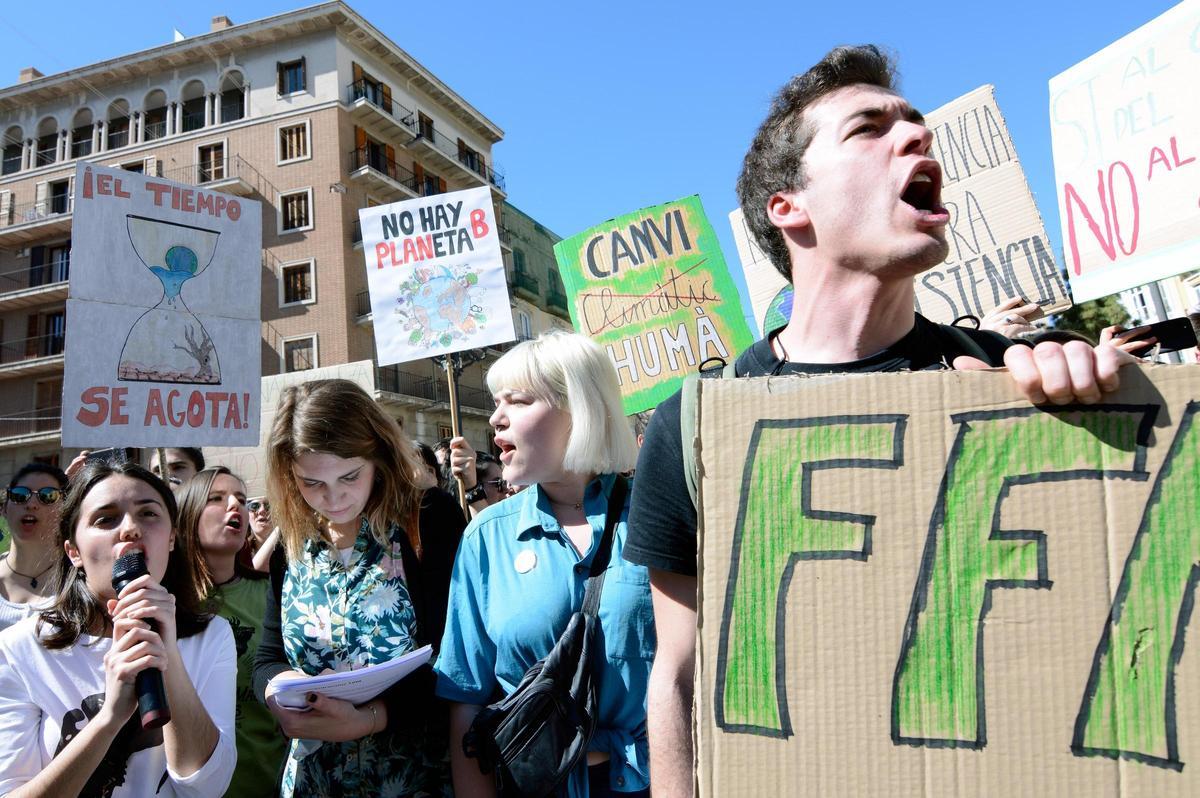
<point x="689" y="411"/>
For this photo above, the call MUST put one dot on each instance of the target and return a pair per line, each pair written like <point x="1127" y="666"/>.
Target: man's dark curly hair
<point x="775" y="161"/>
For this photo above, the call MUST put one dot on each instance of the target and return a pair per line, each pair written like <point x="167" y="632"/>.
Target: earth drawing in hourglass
<point x="168" y="343"/>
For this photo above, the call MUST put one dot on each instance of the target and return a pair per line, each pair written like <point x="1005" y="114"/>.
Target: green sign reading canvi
<point x="652" y="288"/>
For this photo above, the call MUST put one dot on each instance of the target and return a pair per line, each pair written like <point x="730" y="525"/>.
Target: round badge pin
<point x="525" y="561"/>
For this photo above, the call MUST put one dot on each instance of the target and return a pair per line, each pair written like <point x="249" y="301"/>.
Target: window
<point x="470" y="158"/>
<point x="295" y="211"/>
<point x="60" y="196"/>
<point x="297" y="284"/>
<point x="47" y="404"/>
<point x="524" y="328"/>
<point x="58" y="263"/>
<point x="81" y="141"/>
<point x="118" y="133"/>
<point x="290" y="77"/>
<point x="518" y="260"/>
<point x="293" y="142"/>
<point x="137" y="167"/>
<point x="426" y="126"/>
<point x="12" y="158"/>
<point x="155" y="123"/>
<point x="432" y="185"/>
<point x="211" y="163"/>
<point x="444" y="431"/>
<point x="300" y="354"/>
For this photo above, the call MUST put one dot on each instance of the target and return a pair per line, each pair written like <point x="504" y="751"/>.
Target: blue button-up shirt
<point x="517" y="579"/>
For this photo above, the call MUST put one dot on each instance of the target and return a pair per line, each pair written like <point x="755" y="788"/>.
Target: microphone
<point x="152" y="698"/>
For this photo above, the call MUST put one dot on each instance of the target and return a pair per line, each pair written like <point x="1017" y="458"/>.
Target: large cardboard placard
<point x="1125" y="126"/>
<point x="998" y="244"/>
<point x="653" y="289"/>
<point x="436" y="275"/>
<point x="250" y="462"/>
<point x="164" y="329"/>
<point x="921" y="585"/>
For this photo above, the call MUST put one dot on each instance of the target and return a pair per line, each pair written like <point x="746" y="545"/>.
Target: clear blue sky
<point x="608" y="107"/>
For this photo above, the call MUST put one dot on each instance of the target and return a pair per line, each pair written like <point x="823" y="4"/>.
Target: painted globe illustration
<point x="439" y="308"/>
<point x="779" y="311"/>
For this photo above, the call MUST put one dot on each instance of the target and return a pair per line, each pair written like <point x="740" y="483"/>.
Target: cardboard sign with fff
<point x="922" y="585"/>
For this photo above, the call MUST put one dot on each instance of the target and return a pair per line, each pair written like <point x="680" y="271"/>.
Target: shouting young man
<point x="841" y="192"/>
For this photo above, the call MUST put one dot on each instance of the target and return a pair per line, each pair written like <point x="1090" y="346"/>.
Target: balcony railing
<point x="10" y="164"/>
<point x="525" y="281"/>
<point x="233" y="167"/>
<point x="556" y="299"/>
<point x="81" y="148"/>
<point x="42" y="419"/>
<point x="192" y="121"/>
<point x="32" y="348"/>
<point x="38" y="210"/>
<point x="356" y="235"/>
<point x="470" y="160"/>
<point x="363" y="157"/>
<point x="57" y="271"/>
<point x="362" y="303"/>
<point x="118" y="139"/>
<point x="432" y="388"/>
<point x="46" y="156"/>
<point x="154" y="130"/>
<point x="373" y="93"/>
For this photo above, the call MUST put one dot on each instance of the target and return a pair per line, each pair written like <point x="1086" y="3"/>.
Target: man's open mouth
<point x="924" y="189"/>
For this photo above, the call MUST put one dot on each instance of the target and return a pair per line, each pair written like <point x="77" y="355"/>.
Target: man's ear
<point x="73" y="554"/>
<point x="787" y="210"/>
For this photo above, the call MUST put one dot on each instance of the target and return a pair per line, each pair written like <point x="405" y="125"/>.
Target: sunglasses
<point x="498" y="484"/>
<point x="21" y="495"/>
<point x="254" y="505"/>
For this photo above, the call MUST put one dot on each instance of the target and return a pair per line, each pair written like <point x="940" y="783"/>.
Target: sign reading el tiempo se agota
<point x="164" y="333"/>
<point x="436" y="275"/>
<point x="652" y="288"/>
<point x="1125" y="126"/>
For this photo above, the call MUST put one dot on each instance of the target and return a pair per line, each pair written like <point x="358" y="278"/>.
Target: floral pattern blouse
<point x="343" y="617"/>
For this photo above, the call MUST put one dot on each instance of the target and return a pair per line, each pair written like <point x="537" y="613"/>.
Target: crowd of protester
<point x="362" y="551"/>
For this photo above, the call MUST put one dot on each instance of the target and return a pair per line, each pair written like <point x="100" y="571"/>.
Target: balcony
<point x="34" y="426"/>
<point x="32" y="356"/>
<point x="356" y="234"/>
<point x="34" y="285"/>
<point x="505" y="236"/>
<point x="408" y="388"/>
<point x="190" y="121"/>
<point x="153" y="131"/>
<point x="31" y="221"/>
<point x="383" y="176"/>
<point x="118" y="138"/>
<point x="362" y="307"/>
<point x="81" y="148"/>
<point x="445" y="156"/>
<point x="527" y="283"/>
<point x="233" y="175"/>
<point x="379" y="114"/>
<point x="557" y="300"/>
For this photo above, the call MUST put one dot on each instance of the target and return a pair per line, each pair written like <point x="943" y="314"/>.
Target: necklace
<point x="33" y="580"/>
<point x="577" y="505"/>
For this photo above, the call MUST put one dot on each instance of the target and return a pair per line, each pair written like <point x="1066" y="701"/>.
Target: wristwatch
<point x="476" y="494"/>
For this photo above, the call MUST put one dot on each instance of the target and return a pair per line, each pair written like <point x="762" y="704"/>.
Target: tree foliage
<point x="1093" y="316"/>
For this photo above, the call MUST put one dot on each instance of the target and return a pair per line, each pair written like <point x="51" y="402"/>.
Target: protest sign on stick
<point x="652" y="288"/>
<point x="164" y="332"/>
<point x="921" y="585"/>
<point x="1125" y="126"/>
<point x="998" y="249"/>
<point x="436" y="275"/>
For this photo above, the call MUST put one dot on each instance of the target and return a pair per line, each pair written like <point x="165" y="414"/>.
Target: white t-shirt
<point x="12" y="613"/>
<point x="46" y="697"/>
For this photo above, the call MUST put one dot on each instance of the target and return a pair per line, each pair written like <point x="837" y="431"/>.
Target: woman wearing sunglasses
<point x="31" y="506"/>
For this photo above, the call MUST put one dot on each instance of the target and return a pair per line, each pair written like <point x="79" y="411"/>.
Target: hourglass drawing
<point x="168" y="343"/>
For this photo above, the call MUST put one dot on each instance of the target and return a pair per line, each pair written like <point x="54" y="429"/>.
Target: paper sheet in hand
<point x="357" y="686"/>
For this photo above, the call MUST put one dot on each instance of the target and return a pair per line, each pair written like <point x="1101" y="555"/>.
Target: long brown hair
<point x="77" y="610"/>
<point x="193" y="498"/>
<point x="338" y="417"/>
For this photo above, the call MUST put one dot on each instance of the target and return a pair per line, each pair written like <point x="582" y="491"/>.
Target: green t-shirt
<point x="5" y="536"/>
<point x="261" y="746"/>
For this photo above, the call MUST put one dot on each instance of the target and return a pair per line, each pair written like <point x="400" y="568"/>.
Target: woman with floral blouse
<point x="365" y="579"/>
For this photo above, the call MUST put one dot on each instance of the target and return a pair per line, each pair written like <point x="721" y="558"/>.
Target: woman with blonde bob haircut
<point x="523" y="562"/>
<point x="365" y="580"/>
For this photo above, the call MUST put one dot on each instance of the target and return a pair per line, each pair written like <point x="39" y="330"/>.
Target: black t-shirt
<point x="662" y="518"/>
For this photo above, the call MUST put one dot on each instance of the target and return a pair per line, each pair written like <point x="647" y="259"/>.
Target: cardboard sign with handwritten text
<point x="653" y="289"/>
<point x="1125" y="127"/>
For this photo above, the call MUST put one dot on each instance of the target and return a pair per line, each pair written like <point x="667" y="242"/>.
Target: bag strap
<point x="688" y="415"/>
<point x="595" y="582"/>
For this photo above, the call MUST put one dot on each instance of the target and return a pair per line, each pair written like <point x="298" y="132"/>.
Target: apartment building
<point x="314" y="113"/>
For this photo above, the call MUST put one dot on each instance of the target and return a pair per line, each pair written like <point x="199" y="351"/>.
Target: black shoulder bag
<point x="535" y="736"/>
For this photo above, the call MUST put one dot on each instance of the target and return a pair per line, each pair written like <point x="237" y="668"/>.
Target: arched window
<point x="47" y="141"/>
<point x="233" y="97"/>
<point x="81" y="133"/>
<point x="13" y="139"/>
<point x="118" y="125"/>
<point x="193" y="107"/>
<point x="155" y="115"/>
